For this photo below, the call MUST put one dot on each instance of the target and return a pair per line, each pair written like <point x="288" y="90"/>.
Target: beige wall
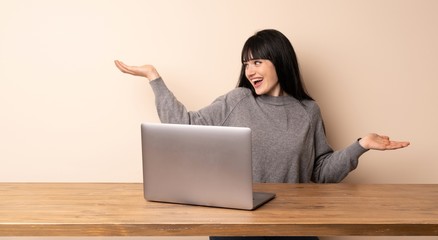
<point x="67" y="114"/>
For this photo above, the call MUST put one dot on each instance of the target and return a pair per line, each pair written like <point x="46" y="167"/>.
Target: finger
<point x="119" y="65"/>
<point x="122" y="64"/>
<point x="125" y="68"/>
<point x="396" y="145"/>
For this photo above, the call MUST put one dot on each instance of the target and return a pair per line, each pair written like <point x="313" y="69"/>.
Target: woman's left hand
<point x="378" y="142"/>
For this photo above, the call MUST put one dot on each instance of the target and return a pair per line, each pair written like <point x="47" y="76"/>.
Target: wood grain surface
<point x="119" y="209"/>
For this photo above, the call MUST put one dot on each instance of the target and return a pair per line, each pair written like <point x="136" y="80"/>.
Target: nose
<point x="249" y="70"/>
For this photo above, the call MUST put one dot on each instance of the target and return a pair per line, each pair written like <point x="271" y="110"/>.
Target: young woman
<point x="289" y="141"/>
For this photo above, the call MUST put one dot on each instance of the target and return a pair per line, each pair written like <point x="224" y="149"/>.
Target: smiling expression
<point x="263" y="77"/>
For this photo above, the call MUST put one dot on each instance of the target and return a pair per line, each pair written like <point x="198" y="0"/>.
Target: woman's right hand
<point x="147" y="71"/>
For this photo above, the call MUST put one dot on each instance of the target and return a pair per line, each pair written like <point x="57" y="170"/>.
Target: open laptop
<point x="199" y="165"/>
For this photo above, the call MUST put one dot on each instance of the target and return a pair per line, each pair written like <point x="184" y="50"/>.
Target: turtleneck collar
<point x="279" y="101"/>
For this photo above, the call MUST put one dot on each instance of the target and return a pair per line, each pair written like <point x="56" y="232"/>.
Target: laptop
<point x="199" y="165"/>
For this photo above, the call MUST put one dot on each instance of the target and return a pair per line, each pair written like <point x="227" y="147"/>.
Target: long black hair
<point x="272" y="45"/>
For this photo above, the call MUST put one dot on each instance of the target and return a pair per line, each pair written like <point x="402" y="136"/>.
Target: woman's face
<point x="263" y="77"/>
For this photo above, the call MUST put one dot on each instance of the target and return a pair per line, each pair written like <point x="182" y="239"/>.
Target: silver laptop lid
<point x="200" y="165"/>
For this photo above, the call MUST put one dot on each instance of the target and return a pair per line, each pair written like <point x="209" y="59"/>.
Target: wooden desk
<point x="83" y="209"/>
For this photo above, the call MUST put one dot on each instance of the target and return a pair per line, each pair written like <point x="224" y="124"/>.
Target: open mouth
<point x="257" y="82"/>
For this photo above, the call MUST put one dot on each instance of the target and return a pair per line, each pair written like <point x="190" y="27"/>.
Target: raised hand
<point x="378" y="142"/>
<point x="147" y="71"/>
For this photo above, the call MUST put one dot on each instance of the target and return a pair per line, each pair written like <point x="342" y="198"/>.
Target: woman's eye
<point x="257" y="62"/>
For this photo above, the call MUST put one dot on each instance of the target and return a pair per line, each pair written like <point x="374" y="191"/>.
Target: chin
<point x="259" y="92"/>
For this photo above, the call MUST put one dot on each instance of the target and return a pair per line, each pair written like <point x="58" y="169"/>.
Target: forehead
<point x="248" y="57"/>
<point x="255" y="52"/>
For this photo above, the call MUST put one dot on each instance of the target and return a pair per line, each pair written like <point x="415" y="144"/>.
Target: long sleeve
<point x="333" y="166"/>
<point x="289" y="142"/>
<point x="170" y="110"/>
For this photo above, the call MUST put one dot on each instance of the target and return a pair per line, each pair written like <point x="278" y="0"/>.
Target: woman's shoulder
<point x="311" y="107"/>
<point x="240" y="91"/>
<point x="236" y="95"/>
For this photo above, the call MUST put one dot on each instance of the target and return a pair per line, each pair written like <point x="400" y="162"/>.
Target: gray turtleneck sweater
<point x="289" y="144"/>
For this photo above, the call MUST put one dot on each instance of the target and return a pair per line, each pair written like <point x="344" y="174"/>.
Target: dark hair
<point x="272" y="45"/>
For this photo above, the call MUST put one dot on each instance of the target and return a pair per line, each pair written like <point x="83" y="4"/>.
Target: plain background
<point x="68" y="115"/>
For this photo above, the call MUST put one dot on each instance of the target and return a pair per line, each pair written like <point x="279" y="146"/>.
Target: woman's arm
<point x="170" y="110"/>
<point x="333" y="166"/>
